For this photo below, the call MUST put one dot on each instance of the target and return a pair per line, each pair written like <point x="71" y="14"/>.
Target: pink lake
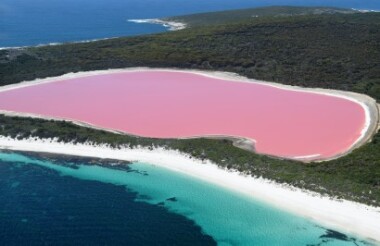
<point x="166" y="104"/>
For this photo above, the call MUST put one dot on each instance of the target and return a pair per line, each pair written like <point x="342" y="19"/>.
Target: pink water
<point x="167" y="104"/>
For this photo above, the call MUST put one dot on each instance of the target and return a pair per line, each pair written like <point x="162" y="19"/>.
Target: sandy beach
<point x="368" y="104"/>
<point x="171" y="25"/>
<point x="346" y="216"/>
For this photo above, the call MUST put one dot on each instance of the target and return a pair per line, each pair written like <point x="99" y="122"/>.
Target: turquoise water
<point x="26" y="22"/>
<point x="229" y="218"/>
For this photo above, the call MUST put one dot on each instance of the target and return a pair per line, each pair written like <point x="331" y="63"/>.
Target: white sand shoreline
<point x="368" y="104"/>
<point x="346" y="216"/>
<point x="171" y="25"/>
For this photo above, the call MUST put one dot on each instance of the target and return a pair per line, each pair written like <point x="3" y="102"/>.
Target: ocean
<point x="61" y="200"/>
<point x="28" y="23"/>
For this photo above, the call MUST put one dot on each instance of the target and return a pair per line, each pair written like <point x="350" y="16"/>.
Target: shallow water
<point x="25" y="22"/>
<point x="166" y="104"/>
<point x="46" y="200"/>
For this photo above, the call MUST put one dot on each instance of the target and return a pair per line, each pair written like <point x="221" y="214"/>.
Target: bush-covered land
<point x="354" y="177"/>
<point x="340" y="51"/>
<point x="229" y="16"/>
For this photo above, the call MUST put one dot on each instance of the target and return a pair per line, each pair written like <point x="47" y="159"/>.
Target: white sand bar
<point x="346" y="216"/>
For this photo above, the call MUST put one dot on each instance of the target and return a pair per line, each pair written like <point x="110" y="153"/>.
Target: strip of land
<point x="228" y="16"/>
<point x="350" y="217"/>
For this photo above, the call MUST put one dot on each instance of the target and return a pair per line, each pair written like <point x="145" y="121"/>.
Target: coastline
<point x="55" y="44"/>
<point x="351" y="217"/>
<point x="170" y="25"/>
<point x="369" y="105"/>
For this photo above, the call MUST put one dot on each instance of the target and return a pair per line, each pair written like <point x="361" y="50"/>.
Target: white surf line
<point x="57" y="43"/>
<point x="349" y="217"/>
<point x="366" y="10"/>
<point x="233" y="77"/>
<point x="171" y="25"/>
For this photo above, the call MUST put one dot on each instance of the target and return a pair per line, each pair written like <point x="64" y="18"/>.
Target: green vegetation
<point x="354" y="177"/>
<point x="229" y="16"/>
<point x="340" y="51"/>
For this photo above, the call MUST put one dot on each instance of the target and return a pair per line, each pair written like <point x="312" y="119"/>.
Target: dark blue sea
<point x="34" y="22"/>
